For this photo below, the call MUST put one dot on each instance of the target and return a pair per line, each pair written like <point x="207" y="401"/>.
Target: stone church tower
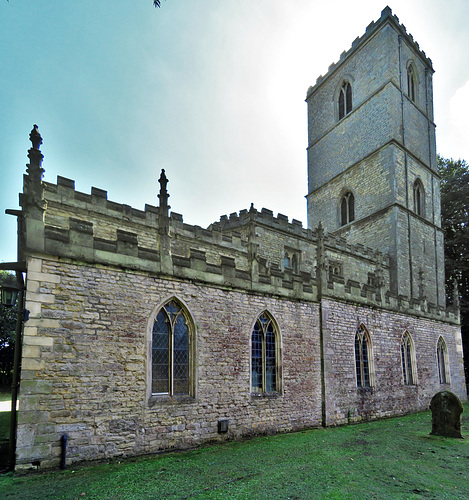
<point x="372" y="168"/>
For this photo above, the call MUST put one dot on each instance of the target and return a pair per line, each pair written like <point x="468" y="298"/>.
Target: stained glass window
<point x="347" y="208"/>
<point x="419" y="198"/>
<point x="442" y="357"/>
<point x="170" y="351"/>
<point x="345" y="100"/>
<point x="411" y="82"/>
<point x="407" y="356"/>
<point x="362" y="364"/>
<point x="264" y="364"/>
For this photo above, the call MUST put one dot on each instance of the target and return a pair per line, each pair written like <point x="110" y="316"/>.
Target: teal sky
<point x="210" y="90"/>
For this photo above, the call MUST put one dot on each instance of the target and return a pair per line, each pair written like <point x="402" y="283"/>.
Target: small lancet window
<point x="419" y="198"/>
<point x="347" y="208"/>
<point x="411" y="82"/>
<point x="286" y="261"/>
<point x="408" y="357"/>
<point x="345" y="100"/>
<point x="442" y="358"/>
<point x="171" y="351"/>
<point x="362" y="353"/>
<point x="264" y="353"/>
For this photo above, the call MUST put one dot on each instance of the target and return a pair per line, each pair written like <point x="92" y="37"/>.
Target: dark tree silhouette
<point x="455" y="223"/>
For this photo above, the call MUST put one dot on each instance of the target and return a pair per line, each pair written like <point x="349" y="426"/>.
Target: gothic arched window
<point x="265" y="356"/>
<point x="347" y="208"/>
<point x="170" y="351"/>
<point x="408" y="360"/>
<point x="363" y="360"/>
<point x="443" y="365"/>
<point x="419" y="198"/>
<point x="411" y="83"/>
<point x="345" y="100"/>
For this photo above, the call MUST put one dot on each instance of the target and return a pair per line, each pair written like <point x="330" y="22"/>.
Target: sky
<point x="213" y="91"/>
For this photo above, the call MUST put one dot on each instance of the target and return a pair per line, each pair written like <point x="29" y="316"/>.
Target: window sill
<point x="265" y="395"/>
<point x="365" y="390"/>
<point x="166" y="399"/>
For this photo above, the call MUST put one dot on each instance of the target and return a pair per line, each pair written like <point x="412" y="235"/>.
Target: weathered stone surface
<point x="446" y="414"/>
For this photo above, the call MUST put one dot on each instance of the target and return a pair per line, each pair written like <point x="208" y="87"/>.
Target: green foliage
<point x="393" y="458"/>
<point x="7" y="341"/>
<point x="455" y="223"/>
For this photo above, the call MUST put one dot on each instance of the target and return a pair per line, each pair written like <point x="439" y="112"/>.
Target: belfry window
<point x="411" y="82"/>
<point x="408" y="360"/>
<point x="345" y="100"/>
<point x="442" y="358"/>
<point x="170" y="351"/>
<point x="419" y="198"/>
<point x="264" y="356"/>
<point x="347" y="208"/>
<point x="362" y="358"/>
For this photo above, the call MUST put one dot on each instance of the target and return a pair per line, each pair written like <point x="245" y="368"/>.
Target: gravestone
<point x="446" y="414"/>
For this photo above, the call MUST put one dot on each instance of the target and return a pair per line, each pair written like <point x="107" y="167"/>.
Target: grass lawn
<point x="394" y="458"/>
<point x="5" y="396"/>
<point x="4" y="430"/>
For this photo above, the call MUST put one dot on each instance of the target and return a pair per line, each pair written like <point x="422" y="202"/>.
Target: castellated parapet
<point x="244" y="251"/>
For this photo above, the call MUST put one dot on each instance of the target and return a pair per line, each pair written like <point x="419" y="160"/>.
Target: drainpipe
<point x="16" y="370"/>
<point x="321" y="284"/>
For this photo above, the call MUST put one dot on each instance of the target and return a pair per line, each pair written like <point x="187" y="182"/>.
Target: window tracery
<point x="170" y="351"/>
<point x="443" y="364"/>
<point x="347" y="208"/>
<point x="408" y="360"/>
<point x="363" y="358"/>
<point x="345" y="100"/>
<point x="264" y="356"/>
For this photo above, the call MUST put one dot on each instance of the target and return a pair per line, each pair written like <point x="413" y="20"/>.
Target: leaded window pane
<point x="257" y="355"/>
<point x="170" y="352"/>
<point x="270" y="371"/>
<point x="160" y="354"/>
<point x="341" y="104"/>
<point x="358" y="360"/>
<point x="348" y="90"/>
<point x="410" y="379"/>
<point x="366" y="373"/>
<point x="404" y="364"/>
<point x="181" y="357"/>
<point x="351" y="207"/>
<point x="343" y="212"/>
<point x="441" y="362"/>
<point x="264" y="356"/>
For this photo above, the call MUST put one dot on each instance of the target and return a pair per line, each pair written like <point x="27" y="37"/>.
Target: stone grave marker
<point x="446" y="414"/>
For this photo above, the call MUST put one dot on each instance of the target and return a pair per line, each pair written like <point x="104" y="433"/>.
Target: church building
<point x="145" y="333"/>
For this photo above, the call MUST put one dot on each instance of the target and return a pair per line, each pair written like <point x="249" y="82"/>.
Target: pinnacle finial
<point x="164" y="195"/>
<point x="34" y="167"/>
<point x="35" y="137"/>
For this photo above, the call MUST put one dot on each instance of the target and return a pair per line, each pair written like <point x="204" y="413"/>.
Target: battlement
<point x="386" y="16"/>
<point x="245" y="250"/>
<point x="264" y="217"/>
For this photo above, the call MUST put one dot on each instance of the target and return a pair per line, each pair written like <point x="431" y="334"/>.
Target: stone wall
<point x="389" y="395"/>
<point x="85" y="365"/>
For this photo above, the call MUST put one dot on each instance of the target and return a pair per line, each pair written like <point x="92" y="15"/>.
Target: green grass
<point x="4" y="431"/>
<point x="394" y="458"/>
<point x="5" y="396"/>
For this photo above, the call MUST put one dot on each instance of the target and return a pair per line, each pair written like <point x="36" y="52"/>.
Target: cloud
<point x="459" y="122"/>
